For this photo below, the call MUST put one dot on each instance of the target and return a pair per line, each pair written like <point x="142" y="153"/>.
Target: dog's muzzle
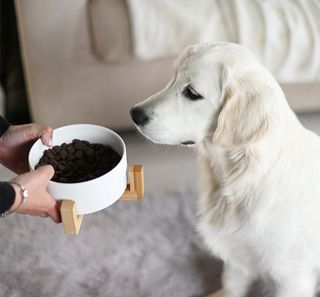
<point x="139" y="116"/>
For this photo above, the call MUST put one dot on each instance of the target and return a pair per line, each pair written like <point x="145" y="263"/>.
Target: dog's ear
<point x="243" y="116"/>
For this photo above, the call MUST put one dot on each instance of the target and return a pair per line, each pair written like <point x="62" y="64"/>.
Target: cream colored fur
<point x="259" y="206"/>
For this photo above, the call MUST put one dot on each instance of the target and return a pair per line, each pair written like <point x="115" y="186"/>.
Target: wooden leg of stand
<point x="135" y="187"/>
<point x="70" y="219"/>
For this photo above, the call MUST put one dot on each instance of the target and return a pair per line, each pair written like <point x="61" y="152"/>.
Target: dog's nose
<point x="139" y="116"/>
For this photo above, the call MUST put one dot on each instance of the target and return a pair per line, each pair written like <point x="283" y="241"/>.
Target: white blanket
<point x="284" y="35"/>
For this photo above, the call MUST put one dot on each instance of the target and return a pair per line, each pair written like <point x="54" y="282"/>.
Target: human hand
<point x="39" y="202"/>
<point x="16" y="142"/>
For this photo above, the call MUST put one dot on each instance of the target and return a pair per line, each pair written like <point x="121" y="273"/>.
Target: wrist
<point x="24" y="194"/>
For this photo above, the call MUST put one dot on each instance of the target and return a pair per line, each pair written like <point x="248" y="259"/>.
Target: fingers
<point x="43" y="132"/>
<point x="55" y="214"/>
<point x="46" y="171"/>
<point x="46" y="135"/>
<point x="54" y="210"/>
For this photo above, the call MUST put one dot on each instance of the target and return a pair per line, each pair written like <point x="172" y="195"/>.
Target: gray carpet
<point x="132" y="249"/>
<point x="144" y="249"/>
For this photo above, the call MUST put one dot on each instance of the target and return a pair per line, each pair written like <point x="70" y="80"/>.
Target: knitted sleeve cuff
<point x="7" y="196"/>
<point x="4" y="125"/>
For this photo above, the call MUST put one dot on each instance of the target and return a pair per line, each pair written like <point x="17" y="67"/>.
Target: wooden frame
<point x="135" y="187"/>
<point x="70" y="219"/>
<point x="134" y="191"/>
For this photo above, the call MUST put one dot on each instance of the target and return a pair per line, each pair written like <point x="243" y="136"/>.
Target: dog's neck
<point x="230" y="164"/>
<point x="231" y="176"/>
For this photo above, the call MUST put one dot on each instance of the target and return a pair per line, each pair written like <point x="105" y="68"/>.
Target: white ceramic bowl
<point x="93" y="195"/>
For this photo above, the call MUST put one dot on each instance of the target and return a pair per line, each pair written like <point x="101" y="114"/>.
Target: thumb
<point x="45" y="133"/>
<point x="45" y="171"/>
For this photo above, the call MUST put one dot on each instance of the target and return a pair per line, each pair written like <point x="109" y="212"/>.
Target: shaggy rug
<point x="131" y="249"/>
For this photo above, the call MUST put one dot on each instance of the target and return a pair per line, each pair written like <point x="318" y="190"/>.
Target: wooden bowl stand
<point x="134" y="192"/>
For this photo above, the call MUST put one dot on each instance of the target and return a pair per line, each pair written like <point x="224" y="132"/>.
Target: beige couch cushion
<point x="285" y="40"/>
<point x="109" y="30"/>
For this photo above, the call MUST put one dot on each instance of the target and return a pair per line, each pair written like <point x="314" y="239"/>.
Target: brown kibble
<point x="79" y="161"/>
<point x="63" y="154"/>
<point x="56" y="148"/>
<point x="90" y="152"/>
<point x="78" y="154"/>
<point x="49" y="154"/>
<point x="79" y="146"/>
<point x="70" y="157"/>
<point x="63" y="179"/>
<point x="70" y="149"/>
<point x="61" y="167"/>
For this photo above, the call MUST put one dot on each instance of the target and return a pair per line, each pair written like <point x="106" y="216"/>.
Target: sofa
<point x="80" y="67"/>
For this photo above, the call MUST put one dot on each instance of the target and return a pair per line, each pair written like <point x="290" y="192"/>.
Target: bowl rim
<point x="77" y="125"/>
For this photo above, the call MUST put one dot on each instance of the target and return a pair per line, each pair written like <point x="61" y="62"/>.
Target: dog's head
<point x="217" y="91"/>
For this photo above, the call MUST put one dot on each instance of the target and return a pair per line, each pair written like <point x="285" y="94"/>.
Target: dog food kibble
<point x="79" y="161"/>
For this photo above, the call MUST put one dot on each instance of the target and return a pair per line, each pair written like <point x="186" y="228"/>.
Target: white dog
<point x="259" y="167"/>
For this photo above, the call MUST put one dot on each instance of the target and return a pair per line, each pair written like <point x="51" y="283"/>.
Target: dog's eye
<point x="191" y="94"/>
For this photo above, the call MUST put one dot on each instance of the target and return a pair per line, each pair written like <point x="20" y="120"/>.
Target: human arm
<point x="15" y="143"/>
<point x="39" y="202"/>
